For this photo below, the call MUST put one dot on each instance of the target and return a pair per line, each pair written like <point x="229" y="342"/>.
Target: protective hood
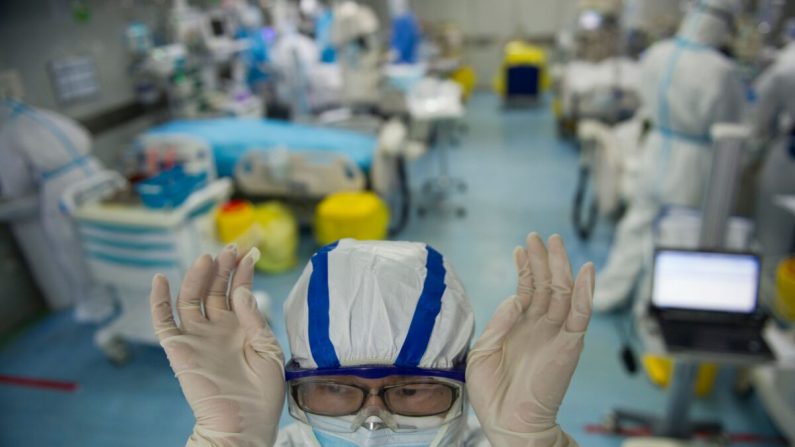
<point x="710" y="23"/>
<point x="395" y="304"/>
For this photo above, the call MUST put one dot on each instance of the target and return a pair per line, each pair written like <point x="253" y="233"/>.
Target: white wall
<point x="488" y="24"/>
<point x="34" y="32"/>
<point x="499" y="18"/>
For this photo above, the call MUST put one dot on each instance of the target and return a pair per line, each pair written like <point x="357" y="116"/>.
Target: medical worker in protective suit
<point x="774" y="129"/>
<point x="41" y="154"/>
<point x="689" y="85"/>
<point x="380" y="339"/>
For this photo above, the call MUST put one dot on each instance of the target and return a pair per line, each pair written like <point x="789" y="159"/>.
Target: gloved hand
<point x="229" y="364"/>
<point x="520" y="368"/>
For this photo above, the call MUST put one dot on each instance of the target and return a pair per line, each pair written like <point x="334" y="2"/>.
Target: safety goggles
<point x="417" y="397"/>
<point x="409" y="404"/>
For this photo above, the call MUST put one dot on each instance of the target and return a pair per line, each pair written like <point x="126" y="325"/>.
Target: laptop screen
<point x="705" y="281"/>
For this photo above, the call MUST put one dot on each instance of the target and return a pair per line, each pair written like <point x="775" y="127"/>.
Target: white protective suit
<point x="774" y="125"/>
<point x="688" y="87"/>
<point x="354" y="33"/>
<point x="41" y="153"/>
<point x="395" y="304"/>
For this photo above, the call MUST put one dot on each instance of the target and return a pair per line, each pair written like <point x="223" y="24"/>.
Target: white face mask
<point x="446" y="435"/>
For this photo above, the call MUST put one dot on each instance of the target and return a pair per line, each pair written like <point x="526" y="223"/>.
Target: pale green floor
<point x="521" y="179"/>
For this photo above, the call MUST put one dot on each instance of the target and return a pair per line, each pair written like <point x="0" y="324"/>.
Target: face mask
<point x="446" y="435"/>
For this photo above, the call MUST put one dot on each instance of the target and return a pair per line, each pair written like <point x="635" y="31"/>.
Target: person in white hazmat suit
<point x="774" y="129"/>
<point x="380" y="339"/>
<point x="41" y="154"/>
<point x="354" y="34"/>
<point x="688" y="86"/>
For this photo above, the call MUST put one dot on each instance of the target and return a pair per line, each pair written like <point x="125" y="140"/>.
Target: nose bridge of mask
<point x="374" y="418"/>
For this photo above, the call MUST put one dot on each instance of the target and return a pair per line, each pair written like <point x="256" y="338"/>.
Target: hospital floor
<point x="521" y="178"/>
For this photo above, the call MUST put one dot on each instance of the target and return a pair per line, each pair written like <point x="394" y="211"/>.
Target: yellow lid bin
<point x="357" y="215"/>
<point x="233" y="220"/>
<point x="278" y="237"/>
<point x="270" y="227"/>
<point x="784" y="304"/>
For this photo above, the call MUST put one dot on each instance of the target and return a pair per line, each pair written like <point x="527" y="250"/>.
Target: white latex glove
<point x="520" y="368"/>
<point x="229" y="364"/>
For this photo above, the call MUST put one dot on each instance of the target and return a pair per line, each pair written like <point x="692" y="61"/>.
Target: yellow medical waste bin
<point x="278" y="237"/>
<point x="784" y="303"/>
<point x="234" y="221"/>
<point x="510" y="80"/>
<point x="661" y="369"/>
<point x="270" y="227"/>
<point x="357" y="215"/>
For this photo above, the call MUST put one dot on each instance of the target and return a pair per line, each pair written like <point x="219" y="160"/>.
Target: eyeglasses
<point x="417" y="398"/>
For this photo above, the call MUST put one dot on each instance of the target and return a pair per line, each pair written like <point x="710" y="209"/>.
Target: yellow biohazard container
<point x="233" y="219"/>
<point x="277" y="230"/>
<point x="357" y="215"/>
<point x="467" y="79"/>
<point x="661" y="369"/>
<point x="784" y="303"/>
<point x="517" y="54"/>
<point x="270" y="227"/>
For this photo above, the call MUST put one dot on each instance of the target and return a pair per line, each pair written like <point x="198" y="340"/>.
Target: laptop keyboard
<point x="713" y="338"/>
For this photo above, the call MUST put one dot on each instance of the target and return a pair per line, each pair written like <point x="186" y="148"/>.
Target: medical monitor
<point x="705" y="281"/>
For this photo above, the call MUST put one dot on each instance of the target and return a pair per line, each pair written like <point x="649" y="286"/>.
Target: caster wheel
<point x="117" y="351"/>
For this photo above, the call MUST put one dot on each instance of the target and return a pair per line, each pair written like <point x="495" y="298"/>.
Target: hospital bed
<point x="230" y="139"/>
<point x="298" y="161"/>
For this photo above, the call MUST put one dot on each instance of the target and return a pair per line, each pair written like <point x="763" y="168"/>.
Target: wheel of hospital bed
<point x="584" y="215"/>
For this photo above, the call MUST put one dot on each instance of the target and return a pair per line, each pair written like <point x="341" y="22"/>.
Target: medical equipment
<point x="718" y="205"/>
<point x="292" y="158"/>
<point x="358" y="215"/>
<point x="153" y="153"/>
<point x="437" y="104"/>
<point x="169" y="189"/>
<point x="524" y="74"/>
<point x="125" y="244"/>
<point x="222" y="339"/>
<point x="202" y="67"/>
<point x="721" y="288"/>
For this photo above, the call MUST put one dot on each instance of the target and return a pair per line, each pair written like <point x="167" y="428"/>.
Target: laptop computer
<point x="708" y="301"/>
